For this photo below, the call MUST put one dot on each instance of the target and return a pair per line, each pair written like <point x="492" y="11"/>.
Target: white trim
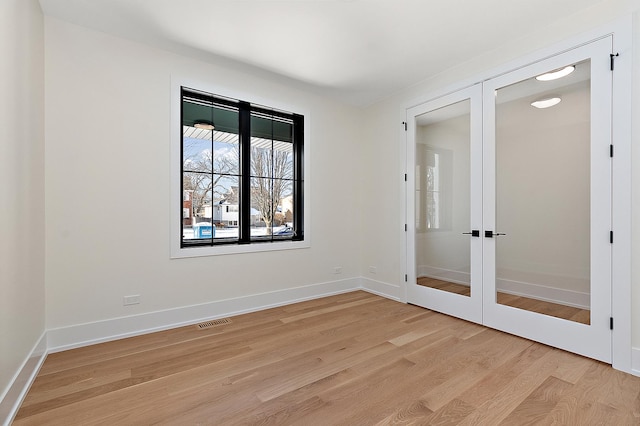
<point x="403" y="235"/>
<point x="635" y="362"/>
<point x="64" y="338"/>
<point x="575" y="299"/>
<point x="383" y="289"/>
<point x="450" y="275"/>
<point x="622" y="196"/>
<point x="175" y="209"/>
<point x="19" y="386"/>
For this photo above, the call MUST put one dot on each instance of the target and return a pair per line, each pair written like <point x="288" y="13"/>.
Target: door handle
<point x="490" y="234"/>
<point x="473" y="233"/>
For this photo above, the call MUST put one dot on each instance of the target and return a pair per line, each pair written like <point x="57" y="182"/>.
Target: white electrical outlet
<point x="337" y="270"/>
<point x="131" y="300"/>
<point x="372" y="269"/>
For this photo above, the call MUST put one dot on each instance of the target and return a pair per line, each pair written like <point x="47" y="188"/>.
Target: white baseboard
<point x="516" y="287"/>
<point x="548" y="294"/>
<point x="14" y="395"/>
<point x="59" y="339"/>
<point x="75" y="336"/>
<point x="383" y="289"/>
<point x="450" y="275"/>
<point x="635" y="361"/>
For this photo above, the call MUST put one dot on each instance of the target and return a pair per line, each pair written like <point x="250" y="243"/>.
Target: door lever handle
<point x="473" y="233"/>
<point x="491" y="234"/>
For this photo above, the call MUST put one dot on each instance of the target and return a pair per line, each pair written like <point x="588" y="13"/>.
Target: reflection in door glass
<point x="543" y="194"/>
<point x="442" y="198"/>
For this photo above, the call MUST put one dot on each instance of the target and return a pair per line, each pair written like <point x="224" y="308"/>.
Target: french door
<point x="445" y="204"/>
<point x="509" y="202"/>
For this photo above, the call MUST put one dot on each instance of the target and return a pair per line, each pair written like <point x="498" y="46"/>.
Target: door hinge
<point x="405" y="125"/>
<point x="611" y="237"/>
<point x="612" y="56"/>
<point x="610" y="323"/>
<point x="405" y="227"/>
<point x="611" y="150"/>
<point x="406" y="278"/>
<point x="405" y="177"/>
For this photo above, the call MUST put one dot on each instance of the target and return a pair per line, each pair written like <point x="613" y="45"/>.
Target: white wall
<point x="385" y="135"/>
<point x="108" y="200"/>
<point x="22" y="292"/>
<point x="544" y="152"/>
<point x="635" y="198"/>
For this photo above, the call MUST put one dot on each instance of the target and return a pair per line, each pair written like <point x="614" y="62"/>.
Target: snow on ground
<point x="225" y="232"/>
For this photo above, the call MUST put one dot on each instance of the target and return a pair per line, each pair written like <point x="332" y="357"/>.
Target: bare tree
<point x="199" y="177"/>
<point x="270" y="171"/>
<point x="267" y="192"/>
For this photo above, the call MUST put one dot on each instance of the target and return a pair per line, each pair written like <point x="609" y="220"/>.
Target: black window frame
<point x="245" y="110"/>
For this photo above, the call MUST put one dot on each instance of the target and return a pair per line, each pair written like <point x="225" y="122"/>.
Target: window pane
<point x="225" y="209"/>
<point x="196" y="198"/>
<point x="283" y="160"/>
<point x="196" y="154"/>
<point x="226" y="146"/>
<point x="261" y="146"/>
<point x="283" y="149"/>
<point x="210" y="137"/>
<point x="283" y="217"/>
<point x="199" y="186"/>
<point x="262" y="207"/>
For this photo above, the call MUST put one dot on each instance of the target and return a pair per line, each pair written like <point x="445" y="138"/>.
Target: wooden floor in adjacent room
<point x="583" y="316"/>
<point x="350" y="359"/>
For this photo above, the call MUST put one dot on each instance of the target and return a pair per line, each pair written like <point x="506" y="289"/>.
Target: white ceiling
<point x="357" y="50"/>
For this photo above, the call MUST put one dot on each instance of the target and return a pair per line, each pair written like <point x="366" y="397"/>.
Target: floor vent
<point x="213" y="323"/>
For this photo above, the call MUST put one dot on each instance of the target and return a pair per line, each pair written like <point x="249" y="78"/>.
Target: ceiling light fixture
<point x="204" y="125"/>
<point x="546" y="103"/>
<point x="554" y="75"/>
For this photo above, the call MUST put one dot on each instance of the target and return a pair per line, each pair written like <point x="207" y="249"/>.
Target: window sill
<point x="187" y="252"/>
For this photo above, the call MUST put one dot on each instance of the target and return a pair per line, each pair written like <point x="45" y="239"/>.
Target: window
<point x="434" y="188"/>
<point x="243" y="166"/>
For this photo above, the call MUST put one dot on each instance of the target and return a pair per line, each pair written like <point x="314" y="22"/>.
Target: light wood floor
<point x="351" y="359"/>
<point x="582" y="316"/>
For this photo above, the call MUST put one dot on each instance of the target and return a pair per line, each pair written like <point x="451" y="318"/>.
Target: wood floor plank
<point x="348" y="359"/>
<point x="537" y="405"/>
<point x="413" y="413"/>
<point x="514" y="392"/>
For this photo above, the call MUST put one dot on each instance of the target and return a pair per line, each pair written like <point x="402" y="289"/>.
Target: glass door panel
<point x="443" y="258"/>
<point x="445" y="204"/>
<point x="543" y="158"/>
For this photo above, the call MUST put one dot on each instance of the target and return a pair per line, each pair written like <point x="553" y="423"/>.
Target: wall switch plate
<point x="131" y="300"/>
